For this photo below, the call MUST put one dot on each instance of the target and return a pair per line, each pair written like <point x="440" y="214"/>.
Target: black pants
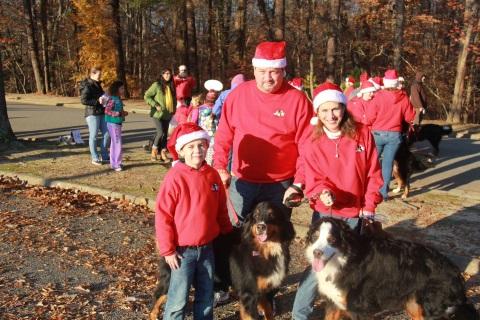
<point x="160" y="139"/>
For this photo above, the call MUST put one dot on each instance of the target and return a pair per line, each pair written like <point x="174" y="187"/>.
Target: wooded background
<point x="47" y="46"/>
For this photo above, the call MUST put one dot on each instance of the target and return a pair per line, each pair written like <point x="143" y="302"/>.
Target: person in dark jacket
<point x="418" y="98"/>
<point x="91" y="93"/>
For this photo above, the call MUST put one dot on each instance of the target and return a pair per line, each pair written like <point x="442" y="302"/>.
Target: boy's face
<point x="194" y="153"/>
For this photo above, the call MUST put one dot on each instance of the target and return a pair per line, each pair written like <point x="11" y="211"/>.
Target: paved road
<point x="52" y="122"/>
<point x="457" y="169"/>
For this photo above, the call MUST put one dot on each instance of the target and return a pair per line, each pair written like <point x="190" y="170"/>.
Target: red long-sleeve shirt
<point x="191" y="208"/>
<point x="357" y="107"/>
<point x="266" y="132"/>
<point x="184" y="87"/>
<point x="354" y="177"/>
<point x="390" y="108"/>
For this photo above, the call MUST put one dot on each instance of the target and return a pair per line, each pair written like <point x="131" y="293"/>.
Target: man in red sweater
<point x="265" y="122"/>
<point x="184" y="84"/>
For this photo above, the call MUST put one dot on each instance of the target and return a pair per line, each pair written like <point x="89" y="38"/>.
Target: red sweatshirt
<point x="190" y="209"/>
<point x="354" y="178"/>
<point x="357" y="108"/>
<point x="389" y="110"/>
<point x="184" y="86"/>
<point x="266" y="130"/>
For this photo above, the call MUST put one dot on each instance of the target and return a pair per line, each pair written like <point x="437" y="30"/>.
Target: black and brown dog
<point x="259" y="264"/>
<point x="362" y="275"/>
<point x="405" y="162"/>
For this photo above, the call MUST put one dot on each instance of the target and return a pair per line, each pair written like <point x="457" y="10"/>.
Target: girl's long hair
<point x="161" y="81"/>
<point x="348" y="126"/>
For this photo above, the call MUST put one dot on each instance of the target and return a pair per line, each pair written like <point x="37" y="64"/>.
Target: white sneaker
<point x="220" y="297"/>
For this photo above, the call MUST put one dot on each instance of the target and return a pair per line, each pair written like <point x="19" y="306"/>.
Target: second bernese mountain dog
<point x="364" y="275"/>
<point x="259" y="264"/>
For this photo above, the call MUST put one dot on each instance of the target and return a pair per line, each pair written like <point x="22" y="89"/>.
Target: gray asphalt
<point x="456" y="170"/>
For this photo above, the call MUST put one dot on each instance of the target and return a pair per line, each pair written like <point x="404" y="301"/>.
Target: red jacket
<point x="266" y="130"/>
<point x="357" y="107"/>
<point x="184" y="86"/>
<point x="389" y="110"/>
<point x="190" y="209"/>
<point x="354" y="178"/>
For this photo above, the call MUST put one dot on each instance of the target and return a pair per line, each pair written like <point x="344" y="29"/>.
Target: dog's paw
<point x="396" y="190"/>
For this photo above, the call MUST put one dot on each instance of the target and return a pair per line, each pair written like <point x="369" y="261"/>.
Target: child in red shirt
<point x="190" y="212"/>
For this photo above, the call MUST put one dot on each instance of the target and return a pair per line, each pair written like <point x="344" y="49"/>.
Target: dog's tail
<point x="465" y="311"/>
<point x="446" y="130"/>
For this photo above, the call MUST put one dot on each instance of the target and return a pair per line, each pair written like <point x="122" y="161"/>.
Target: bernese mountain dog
<point x="259" y="264"/>
<point x="363" y="275"/>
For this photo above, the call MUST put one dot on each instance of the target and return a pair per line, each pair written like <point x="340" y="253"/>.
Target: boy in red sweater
<point x="190" y="212"/>
<point x="342" y="174"/>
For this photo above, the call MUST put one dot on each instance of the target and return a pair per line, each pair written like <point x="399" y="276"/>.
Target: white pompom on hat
<point x="270" y="55"/>
<point x="326" y="92"/>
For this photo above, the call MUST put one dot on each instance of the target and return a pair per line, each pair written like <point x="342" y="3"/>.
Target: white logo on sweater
<point x="215" y="187"/>
<point x="360" y="148"/>
<point x="279" y="113"/>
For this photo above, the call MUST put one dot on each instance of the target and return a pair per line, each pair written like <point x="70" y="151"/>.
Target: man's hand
<point x="173" y="261"/>
<point x="225" y="176"/>
<point x="293" y="197"/>
<point x="327" y="198"/>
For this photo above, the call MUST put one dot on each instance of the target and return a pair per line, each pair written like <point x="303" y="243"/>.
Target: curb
<point x="470" y="266"/>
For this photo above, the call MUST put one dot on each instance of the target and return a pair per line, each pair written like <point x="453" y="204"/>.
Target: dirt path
<point x="71" y="255"/>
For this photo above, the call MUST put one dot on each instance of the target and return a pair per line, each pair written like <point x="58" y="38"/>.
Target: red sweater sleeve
<point x="304" y="132"/>
<point x="409" y="114"/>
<point x="374" y="175"/>
<point x="164" y="218"/>
<point x="223" y="137"/>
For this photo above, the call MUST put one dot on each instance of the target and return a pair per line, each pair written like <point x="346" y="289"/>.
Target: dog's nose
<point x="317" y="253"/>
<point x="261" y="227"/>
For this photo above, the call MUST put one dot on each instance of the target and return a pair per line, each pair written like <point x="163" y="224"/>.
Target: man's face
<point x="182" y="71"/>
<point x="268" y="80"/>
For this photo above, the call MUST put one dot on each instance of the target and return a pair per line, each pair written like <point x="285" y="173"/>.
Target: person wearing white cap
<point x="342" y="176"/>
<point x="264" y="122"/>
<point x="391" y="109"/>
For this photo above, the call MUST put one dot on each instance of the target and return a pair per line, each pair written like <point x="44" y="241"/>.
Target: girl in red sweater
<point x="342" y="174"/>
<point x="190" y="212"/>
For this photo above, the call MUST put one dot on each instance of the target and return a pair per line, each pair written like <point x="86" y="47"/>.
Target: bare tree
<point x="45" y="44"/>
<point x="192" y="40"/>
<point x="6" y="132"/>
<point x="33" y="45"/>
<point x="398" y="39"/>
<point x="333" y="36"/>
<point x="279" y="31"/>
<point x="120" y="65"/>
<point x="239" y="32"/>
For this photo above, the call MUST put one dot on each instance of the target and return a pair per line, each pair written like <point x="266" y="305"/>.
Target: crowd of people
<point x="259" y="140"/>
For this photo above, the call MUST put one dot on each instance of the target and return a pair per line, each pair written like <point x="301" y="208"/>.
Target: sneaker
<point x="118" y="169"/>
<point x="220" y="297"/>
<point x="97" y="162"/>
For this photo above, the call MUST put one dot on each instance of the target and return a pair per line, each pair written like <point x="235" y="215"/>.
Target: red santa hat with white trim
<point x="270" y="55"/>
<point x="297" y="83"/>
<point x="326" y="92"/>
<point x="390" y="80"/>
<point x="183" y="134"/>
<point x="367" y="87"/>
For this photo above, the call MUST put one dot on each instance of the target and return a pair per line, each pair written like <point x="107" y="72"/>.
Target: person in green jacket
<point x="161" y="99"/>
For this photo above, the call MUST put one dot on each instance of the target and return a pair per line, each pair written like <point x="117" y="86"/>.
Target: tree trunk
<point x="398" y="40"/>
<point x="120" y="65"/>
<point x="181" y="38"/>
<point x="239" y="33"/>
<point x="220" y="37"/>
<point x="279" y="32"/>
<point x="192" y="41"/>
<point x="311" y="73"/>
<point x="266" y="20"/>
<point x="333" y="36"/>
<point x="33" y="46"/>
<point x="210" y="37"/>
<point x="44" y="34"/>
<point x="454" y="115"/>
<point x="6" y="132"/>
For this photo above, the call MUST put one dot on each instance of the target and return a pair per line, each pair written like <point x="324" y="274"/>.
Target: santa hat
<point x="297" y="83"/>
<point x="326" y="92"/>
<point x="270" y="55"/>
<point x="377" y="82"/>
<point x="350" y="79"/>
<point x="183" y="134"/>
<point x="390" y="80"/>
<point x="367" y="87"/>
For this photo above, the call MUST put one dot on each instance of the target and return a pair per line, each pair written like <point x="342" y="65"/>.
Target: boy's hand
<point x="327" y="198"/>
<point x="225" y="176"/>
<point x="173" y="261"/>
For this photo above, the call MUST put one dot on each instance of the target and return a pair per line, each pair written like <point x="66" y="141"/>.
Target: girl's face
<point x="121" y="91"/>
<point x="195" y="102"/>
<point x="194" y="153"/>
<point x="167" y="75"/>
<point x="331" y="115"/>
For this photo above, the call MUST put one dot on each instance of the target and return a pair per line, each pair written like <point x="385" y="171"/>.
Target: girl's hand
<point x="173" y="261"/>
<point x="327" y="198"/>
<point x="125" y="113"/>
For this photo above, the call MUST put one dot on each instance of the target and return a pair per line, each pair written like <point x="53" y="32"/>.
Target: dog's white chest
<point x="275" y="279"/>
<point x="326" y="283"/>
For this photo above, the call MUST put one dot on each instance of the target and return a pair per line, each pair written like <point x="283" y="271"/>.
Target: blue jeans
<point x="245" y="195"/>
<point x="387" y="143"/>
<point x="308" y="288"/>
<point x="96" y="123"/>
<point x="196" y="268"/>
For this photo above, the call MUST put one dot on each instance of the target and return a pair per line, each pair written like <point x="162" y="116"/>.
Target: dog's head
<point x="268" y="222"/>
<point x="326" y="238"/>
